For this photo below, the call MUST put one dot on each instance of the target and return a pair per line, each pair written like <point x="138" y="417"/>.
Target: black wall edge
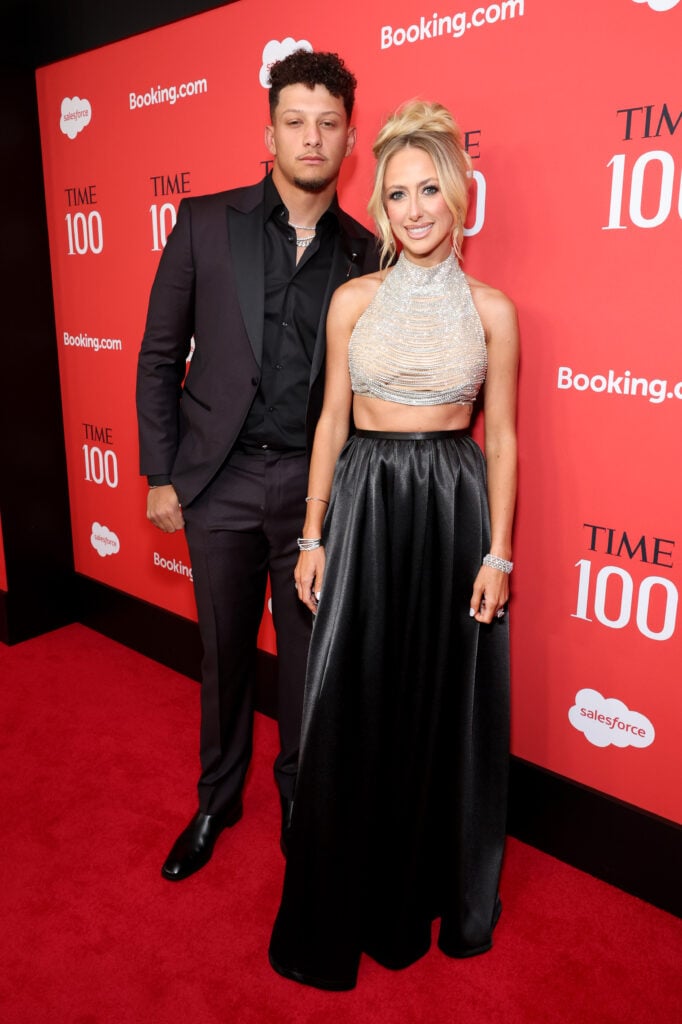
<point x="33" y="490"/>
<point x="608" y="838"/>
<point x="42" y="31"/>
<point x="168" y="638"/>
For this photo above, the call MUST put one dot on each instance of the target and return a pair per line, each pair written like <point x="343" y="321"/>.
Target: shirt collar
<point x="273" y="207"/>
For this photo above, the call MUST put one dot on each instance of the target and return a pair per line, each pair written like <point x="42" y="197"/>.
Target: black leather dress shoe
<point x="193" y="847"/>
<point x="287" y="808"/>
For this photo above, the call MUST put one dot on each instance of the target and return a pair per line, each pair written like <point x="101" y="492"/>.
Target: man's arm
<point x="163" y="354"/>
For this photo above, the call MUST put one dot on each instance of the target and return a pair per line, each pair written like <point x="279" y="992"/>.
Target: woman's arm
<point x="331" y="434"/>
<point x="491" y="587"/>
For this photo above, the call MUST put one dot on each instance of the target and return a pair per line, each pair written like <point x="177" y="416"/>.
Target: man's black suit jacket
<point x="210" y="284"/>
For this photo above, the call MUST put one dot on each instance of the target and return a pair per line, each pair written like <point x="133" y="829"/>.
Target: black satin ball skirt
<point x="400" y="804"/>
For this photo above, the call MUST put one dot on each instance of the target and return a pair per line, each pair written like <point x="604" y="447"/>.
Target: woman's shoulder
<point x="353" y="297"/>
<point x="492" y="304"/>
<point x="488" y="294"/>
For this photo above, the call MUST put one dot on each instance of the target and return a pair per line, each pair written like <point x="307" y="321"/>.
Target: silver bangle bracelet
<point x="308" y="543"/>
<point x="498" y="563"/>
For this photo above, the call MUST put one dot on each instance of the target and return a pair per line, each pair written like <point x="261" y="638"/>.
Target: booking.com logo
<point x="612" y="382"/>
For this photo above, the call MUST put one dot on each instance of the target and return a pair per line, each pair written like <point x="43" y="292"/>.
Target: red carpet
<point x="99" y="763"/>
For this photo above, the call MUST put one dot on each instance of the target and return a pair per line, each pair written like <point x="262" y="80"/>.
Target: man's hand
<point x="164" y="509"/>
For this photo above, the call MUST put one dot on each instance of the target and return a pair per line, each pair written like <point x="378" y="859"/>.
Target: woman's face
<point x="419" y="216"/>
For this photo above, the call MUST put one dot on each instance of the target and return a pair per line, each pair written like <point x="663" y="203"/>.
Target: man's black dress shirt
<point x="294" y="293"/>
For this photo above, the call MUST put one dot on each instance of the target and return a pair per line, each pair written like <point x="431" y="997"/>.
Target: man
<point x="250" y="272"/>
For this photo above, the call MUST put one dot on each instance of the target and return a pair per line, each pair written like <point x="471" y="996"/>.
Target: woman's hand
<point x="308" y="576"/>
<point x="490" y="594"/>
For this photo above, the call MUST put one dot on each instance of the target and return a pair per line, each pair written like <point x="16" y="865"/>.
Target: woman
<point x="399" y="811"/>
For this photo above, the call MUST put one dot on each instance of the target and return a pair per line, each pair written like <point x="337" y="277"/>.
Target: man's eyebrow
<point x="323" y="113"/>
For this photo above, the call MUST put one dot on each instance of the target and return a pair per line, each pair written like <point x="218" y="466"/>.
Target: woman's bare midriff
<point x="376" y="414"/>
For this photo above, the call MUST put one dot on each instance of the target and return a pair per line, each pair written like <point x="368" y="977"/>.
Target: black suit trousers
<point x="241" y="527"/>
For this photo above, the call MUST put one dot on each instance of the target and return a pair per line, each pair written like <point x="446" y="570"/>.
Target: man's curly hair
<point x="305" y="68"/>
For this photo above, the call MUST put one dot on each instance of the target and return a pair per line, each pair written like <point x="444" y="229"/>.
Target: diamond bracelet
<point x="308" y="543"/>
<point x="498" y="563"/>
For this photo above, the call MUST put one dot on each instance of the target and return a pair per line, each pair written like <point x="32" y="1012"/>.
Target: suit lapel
<point x="245" y="229"/>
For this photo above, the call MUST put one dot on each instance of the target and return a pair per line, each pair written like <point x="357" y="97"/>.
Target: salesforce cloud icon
<point x="104" y="541"/>
<point x="606" y="721"/>
<point x="659" y="5"/>
<point x="274" y="51"/>
<point x="76" y="115"/>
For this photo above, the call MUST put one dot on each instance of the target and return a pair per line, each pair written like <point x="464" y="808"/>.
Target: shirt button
<point x="285" y="323"/>
<point x="271" y="408"/>
<point x="278" y="366"/>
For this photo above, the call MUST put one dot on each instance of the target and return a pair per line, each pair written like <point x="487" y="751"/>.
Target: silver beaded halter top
<point x="420" y="341"/>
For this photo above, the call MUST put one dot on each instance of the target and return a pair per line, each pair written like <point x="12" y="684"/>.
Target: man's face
<point x="309" y="137"/>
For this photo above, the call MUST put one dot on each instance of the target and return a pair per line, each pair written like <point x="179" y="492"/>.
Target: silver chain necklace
<point x="303" y="243"/>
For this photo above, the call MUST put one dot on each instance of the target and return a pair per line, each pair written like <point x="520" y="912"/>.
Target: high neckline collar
<point x="420" y="268"/>
<point x="424" y="276"/>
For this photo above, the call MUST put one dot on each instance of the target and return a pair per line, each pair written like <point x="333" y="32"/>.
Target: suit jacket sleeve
<point x="165" y="347"/>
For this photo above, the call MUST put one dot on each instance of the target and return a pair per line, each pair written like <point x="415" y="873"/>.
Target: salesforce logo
<point x="659" y="5"/>
<point x="608" y="722"/>
<point x="274" y="51"/>
<point x="104" y="541"/>
<point x="76" y="115"/>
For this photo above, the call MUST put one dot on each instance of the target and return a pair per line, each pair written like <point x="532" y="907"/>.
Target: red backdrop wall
<point x="571" y="120"/>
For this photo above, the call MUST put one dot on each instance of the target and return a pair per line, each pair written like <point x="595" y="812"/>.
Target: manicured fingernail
<point x="471" y="613"/>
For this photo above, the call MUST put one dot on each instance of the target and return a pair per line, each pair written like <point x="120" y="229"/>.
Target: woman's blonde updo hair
<point x="431" y="127"/>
